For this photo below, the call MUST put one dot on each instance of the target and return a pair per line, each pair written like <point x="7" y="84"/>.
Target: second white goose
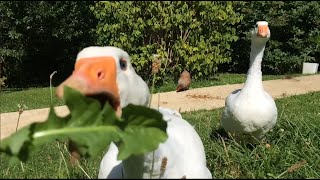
<point x="251" y="110"/>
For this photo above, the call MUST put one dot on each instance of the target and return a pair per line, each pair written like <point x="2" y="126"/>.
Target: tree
<point x="43" y="36"/>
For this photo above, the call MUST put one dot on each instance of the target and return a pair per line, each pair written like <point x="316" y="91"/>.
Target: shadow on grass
<point x="217" y="134"/>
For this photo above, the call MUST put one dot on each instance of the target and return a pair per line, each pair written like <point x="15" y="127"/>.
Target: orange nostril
<point x="100" y="75"/>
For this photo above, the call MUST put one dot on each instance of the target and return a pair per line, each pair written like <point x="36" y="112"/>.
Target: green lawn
<point x="35" y="98"/>
<point x="295" y="138"/>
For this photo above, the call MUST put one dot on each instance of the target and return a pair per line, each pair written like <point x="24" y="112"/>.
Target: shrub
<point x="186" y="35"/>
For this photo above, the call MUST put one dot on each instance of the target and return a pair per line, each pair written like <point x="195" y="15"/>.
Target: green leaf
<point x="91" y="129"/>
<point x="137" y="140"/>
<point x="143" y="116"/>
<point x="15" y="145"/>
<point x="85" y="126"/>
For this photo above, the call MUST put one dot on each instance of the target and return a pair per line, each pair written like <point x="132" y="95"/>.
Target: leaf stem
<point x="69" y="130"/>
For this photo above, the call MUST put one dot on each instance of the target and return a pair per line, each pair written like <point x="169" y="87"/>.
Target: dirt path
<point x="193" y="99"/>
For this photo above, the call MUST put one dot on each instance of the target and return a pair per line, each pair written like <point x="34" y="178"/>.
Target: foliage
<point x="12" y="46"/>
<point x="91" y="128"/>
<point x="39" y="37"/>
<point x="193" y="35"/>
<point x="295" y="35"/>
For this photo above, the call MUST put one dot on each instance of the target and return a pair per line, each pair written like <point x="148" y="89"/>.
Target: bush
<point x="186" y="35"/>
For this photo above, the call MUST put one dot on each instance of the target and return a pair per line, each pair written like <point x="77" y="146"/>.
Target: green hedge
<point x="186" y="35"/>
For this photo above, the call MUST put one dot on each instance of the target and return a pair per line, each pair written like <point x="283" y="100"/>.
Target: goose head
<point x="106" y="74"/>
<point x="261" y="33"/>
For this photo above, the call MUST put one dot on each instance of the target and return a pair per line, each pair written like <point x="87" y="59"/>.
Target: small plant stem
<point x="51" y="75"/>
<point x="59" y="170"/>
<point x="152" y="88"/>
<point x="18" y="121"/>
<point x="79" y="166"/>
<point x="64" y="160"/>
<point x="84" y="171"/>
<point x="22" y="166"/>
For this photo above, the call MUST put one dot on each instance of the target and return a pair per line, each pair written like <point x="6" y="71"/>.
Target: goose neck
<point x="254" y="74"/>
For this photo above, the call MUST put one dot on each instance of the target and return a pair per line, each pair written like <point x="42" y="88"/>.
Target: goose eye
<point x="123" y="64"/>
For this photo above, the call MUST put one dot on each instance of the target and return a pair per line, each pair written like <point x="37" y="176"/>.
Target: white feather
<point x="183" y="148"/>
<point x="251" y="110"/>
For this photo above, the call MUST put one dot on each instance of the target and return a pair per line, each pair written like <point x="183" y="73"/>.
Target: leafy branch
<point x="91" y="128"/>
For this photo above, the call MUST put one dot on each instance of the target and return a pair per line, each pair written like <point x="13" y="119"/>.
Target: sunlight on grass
<point x="33" y="98"/>
<point x="294" y="139"/>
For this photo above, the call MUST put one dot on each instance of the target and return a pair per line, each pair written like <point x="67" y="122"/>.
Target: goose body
<point x="251" y="110"/>
<point x="107" y="70"/>
<point x="183" y="150"/>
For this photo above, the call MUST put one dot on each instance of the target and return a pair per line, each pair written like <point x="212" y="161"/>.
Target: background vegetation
<point x="206" y="38"/>
<point x="39" y="37"/>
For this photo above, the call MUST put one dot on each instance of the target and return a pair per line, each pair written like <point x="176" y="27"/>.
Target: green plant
<point x="91" y="129"/>
<point x="194" y="35"/>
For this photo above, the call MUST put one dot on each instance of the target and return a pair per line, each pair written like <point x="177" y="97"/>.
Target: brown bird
<point x="184" y="81"/>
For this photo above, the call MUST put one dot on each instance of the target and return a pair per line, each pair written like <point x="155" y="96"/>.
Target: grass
<point x="295" y="138"/>
<point x="35" y="98"/>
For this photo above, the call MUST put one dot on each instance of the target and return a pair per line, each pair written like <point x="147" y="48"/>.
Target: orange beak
<point x="94" y="76"/>
<point x="263" y="30"/>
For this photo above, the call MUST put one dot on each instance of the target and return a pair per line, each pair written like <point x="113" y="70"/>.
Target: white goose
<point x="108" y="71"/>
<point x="251" y="110"/>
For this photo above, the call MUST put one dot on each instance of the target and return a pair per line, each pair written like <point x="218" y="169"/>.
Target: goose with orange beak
<point x="105" y="73"/>
<point x="251" y="112"/>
